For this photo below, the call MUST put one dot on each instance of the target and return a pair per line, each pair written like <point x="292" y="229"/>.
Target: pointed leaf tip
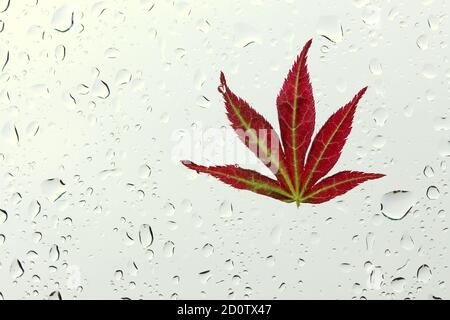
<point x="223" y="83"/>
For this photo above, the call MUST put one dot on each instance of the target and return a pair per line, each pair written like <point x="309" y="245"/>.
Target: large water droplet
<point x="395" y="205"/>
<point x="16" y="270"/>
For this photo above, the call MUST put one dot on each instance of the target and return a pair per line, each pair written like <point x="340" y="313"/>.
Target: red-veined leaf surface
<point x="256" y="132"/>
<point x="327" y="146"/>
<point x="296" y="115"/>
<point x="244" y="179"/>
<point x="337" y="185"/>
<point x="298" y="179"/>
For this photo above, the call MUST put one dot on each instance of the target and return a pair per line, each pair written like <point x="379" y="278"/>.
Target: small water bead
<point x="145" y="171"/>
<point x="169" y="209"/>
<point x="428" y="172"/>
<point x="55" y="295"/>
<point x="433" y="193"/>
<point x="407" y="242"/>
<point x="433" y="22"/>
<point x="169" y="249"/>
<point x="422" y="42"/>
<point x="378" y="142"/>
<point x="36" y="237"/>
<point x="226" y="209"/>
<point x="207" y="250"/>
<point x="398" y="284"/>
<point x="145" y="235"/>
<point x="118" y="275"/>
<point x="375" y="67"/>
<point x="424" y="273"/>
<point x="380" y="116"/>
<point x="54" y="253"/>
<point x="16" y="269"/>
<point x="3" y="216"/>
<point x="34" y="208"/>
<point x="429" y="71"/>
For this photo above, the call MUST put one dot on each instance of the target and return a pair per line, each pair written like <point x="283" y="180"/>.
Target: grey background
<point x="159" y="58"/>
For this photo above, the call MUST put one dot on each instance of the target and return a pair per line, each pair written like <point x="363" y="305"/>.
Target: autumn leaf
<point x="300" y="174"/>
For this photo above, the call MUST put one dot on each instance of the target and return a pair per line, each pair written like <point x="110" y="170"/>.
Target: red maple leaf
<point x="299" y="178"/>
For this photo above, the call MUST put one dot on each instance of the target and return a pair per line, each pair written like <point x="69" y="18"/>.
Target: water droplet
<point x="375" y="67"/>
<point x="16" y="270"/>
<point x="145" y="235"/>
<point x="145" y="171"/>
<point x="3" y="216"/>
<point x="380" y="116"/>
<point x="169" y="249"/>
<point x="429" y="71"/>
<point x="118" y="275"/>
<point x="34" y="208"/>
<point x="226" y="209"/>
<point x="398" y="284"/>
<point x="169" y="209"/>
<point x="54" y="253"/>
<point x="424" y="273"/>
<point x="407" y="242"/>
<point x="395" y="205"/>
<point x="433" y="193"/>
<point x="330" y="28"/>
<point x="55" y="295"/>
<point x="100" y="89"/>
<point x="422" y="42"/>
<point x="428" y="172"/>
<point x="53" y="189"/>
<point x="207" y="250"/>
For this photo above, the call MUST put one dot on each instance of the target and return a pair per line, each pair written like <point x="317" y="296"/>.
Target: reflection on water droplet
<point x="395" y="205"/>
<point x="433" y="193"/>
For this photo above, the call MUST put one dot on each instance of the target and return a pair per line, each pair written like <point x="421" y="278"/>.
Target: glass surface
<point x="100" y="100"/>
